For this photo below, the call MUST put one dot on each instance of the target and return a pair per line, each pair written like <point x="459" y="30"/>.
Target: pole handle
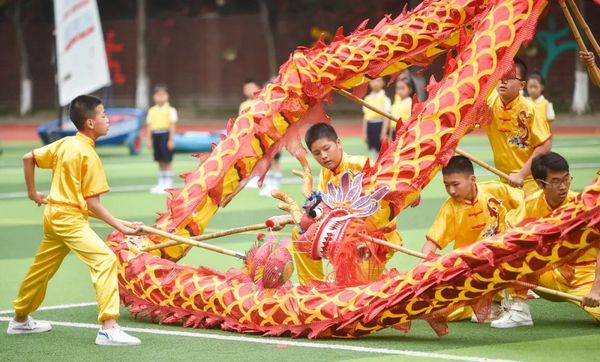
<point x="177" y="239"/>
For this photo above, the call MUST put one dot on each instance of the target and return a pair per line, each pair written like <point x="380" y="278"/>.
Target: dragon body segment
<point x="200" y="297"/>
<point x="485" y="35"/>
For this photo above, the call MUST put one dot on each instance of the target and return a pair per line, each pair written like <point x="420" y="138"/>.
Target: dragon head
<point x="337" y="215"/>
<point x="331" y="224"/>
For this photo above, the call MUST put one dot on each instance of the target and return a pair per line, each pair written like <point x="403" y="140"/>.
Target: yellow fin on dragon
<point x="480" y="38"/>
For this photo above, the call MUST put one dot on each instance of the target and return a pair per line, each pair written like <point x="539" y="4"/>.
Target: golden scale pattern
<point x="486" y="34"/>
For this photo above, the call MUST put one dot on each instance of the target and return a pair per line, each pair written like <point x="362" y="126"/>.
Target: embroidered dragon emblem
<point x="521" y="135"/>
<point x="493" y="227"/>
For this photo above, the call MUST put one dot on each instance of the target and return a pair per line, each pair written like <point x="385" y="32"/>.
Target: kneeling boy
<point x="581" y="276"/>
<point x="472" y="212"/>
<point x="326" y="147"/>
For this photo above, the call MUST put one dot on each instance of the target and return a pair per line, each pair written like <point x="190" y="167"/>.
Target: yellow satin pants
<point x="580" y="284"/>
<point x="66" y="229"/>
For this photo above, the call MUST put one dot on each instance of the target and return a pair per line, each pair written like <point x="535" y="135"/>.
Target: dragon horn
<point x="289" y="205"/>
<point x="306" y="175"/>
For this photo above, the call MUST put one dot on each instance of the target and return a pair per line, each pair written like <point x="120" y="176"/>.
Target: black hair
<point x="410" y="83"/>
<point x="82" y="108"/>
<point x="519" y="63"/>
<point x="160" y="87"/>
<point x="319" y="131"/>
<point x="550" y="161"/>
<point x="458" y="164"/>
<point x="535" y="75"/>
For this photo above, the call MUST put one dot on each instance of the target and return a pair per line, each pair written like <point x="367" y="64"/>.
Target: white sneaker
<point x="496" y="312"/>
<point x="115" y="337"/>
<point x="265" y="191"/>
<point x="518" y="315"/>
<point x="253" y="183"/>
<point x="167" y="183"/>
<point x="158" y="189"/>
<point x="29" y="326"/>
<point x="277" y="177"/>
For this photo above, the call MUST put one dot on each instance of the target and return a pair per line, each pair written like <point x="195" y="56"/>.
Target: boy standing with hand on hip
<point x="78" y="180"/>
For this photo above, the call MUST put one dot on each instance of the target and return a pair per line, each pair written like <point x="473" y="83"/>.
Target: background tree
<point x="581" y="92"/>
<point x="14" y="10"/>
<point x="142" y="90"/>
<point x="267" y="22"/>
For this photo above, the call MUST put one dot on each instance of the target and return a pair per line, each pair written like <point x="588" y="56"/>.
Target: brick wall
<point x="187" y="53"/>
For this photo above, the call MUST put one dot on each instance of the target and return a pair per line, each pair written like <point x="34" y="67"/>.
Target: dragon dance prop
<point x="593" y="71"/>
<point x="480" y="38"/>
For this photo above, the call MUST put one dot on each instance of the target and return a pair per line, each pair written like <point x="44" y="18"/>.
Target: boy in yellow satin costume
<point x="78" y="180"/>
<point x="580" y="276"/>
<point x="516" y="135"/>
<point x="325" y="146"/>
<point x="472" y="212"/>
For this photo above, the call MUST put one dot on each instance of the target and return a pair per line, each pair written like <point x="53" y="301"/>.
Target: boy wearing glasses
<point x="516" y="135"/>
<point x="579" y="276"/>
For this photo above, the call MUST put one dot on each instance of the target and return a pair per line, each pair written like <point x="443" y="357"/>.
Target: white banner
<point x="81" y="57"/>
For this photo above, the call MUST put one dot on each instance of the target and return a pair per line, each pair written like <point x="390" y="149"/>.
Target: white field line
<point x="275" y="341"/>
<point x="284" y="181"/>
<point x="55" y="307"/>
<point x="128" y="188"/>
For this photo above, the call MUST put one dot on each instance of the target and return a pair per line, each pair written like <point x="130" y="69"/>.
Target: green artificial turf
<point x="561" y="332"/>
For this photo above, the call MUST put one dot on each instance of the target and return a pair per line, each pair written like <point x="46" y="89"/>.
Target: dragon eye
<point x="316" y="213"/>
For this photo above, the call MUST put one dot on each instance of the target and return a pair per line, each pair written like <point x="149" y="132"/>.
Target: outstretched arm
<point x="100" y="212"/>
<point x="516" y="178"/>
<point x="29" y="172"/>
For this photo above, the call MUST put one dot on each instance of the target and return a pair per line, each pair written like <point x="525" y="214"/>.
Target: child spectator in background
<point x="161" y="120"/>
<point x="273" y="177"/>
<point x="402" y="107"/>
<point x="535" y="89"/>
<point x="249" y="89"/>
<point x="375" y="126"/>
